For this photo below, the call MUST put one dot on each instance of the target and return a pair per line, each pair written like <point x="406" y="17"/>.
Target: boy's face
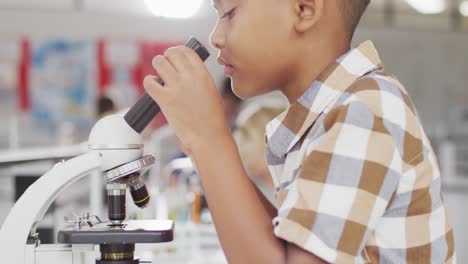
<point x="256" y="43"/>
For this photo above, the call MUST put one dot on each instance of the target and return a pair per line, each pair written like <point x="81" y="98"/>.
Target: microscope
<point x="116" y="149"/>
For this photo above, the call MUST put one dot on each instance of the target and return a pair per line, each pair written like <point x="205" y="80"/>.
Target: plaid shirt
<point x="356" y="178"/>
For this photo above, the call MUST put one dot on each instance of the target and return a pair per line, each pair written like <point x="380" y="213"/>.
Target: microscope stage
<point x="134" y="231"/>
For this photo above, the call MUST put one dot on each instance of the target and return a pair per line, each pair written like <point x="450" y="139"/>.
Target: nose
<point x="217" y="37"/>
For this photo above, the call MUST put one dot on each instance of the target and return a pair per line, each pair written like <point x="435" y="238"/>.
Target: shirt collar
<point x="286" y="130"/>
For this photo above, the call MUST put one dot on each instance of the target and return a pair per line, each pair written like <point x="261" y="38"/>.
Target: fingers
<point x="176" y="56"/>
<point x="172" y="67"/>
<point x="153" y="88"/>
<point x="164" y="68"/>
<point x="184" y="58"/>
<point x="192" y="57"/>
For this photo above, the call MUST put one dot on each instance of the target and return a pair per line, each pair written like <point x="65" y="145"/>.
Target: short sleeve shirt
<point x="355" y="175"/>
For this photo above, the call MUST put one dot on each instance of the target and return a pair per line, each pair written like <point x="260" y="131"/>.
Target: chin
<point x="247" y="89"/>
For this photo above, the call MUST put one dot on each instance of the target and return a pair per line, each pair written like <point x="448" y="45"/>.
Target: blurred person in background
<point x="250" y="138"/>
<point x="105" y="106"/>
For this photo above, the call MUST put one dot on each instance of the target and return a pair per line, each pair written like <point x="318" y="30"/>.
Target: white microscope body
<point x="112" y="143"/>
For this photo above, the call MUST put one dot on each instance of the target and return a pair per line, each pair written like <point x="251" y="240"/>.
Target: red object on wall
<point x="23" y="76"/>
<point x="143" y="67"/>
<point x="137" y="76"/>
<point x="148" y="50"/>
<point x="104" y="72"/>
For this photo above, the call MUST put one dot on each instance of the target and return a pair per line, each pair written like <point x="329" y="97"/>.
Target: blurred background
<point x="66" y="63"/>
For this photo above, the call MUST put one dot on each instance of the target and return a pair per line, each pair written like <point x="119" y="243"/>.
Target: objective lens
<point x="138" y="190"/>
<point x="116" y="201"/>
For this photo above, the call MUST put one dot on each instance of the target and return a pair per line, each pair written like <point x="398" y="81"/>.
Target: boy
<point x="356" y="179"/>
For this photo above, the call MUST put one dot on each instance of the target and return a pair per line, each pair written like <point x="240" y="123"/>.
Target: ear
<point x="308" y="13"/>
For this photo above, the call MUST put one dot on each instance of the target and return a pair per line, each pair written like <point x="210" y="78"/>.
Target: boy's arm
<point x="270" y="208"/>
<point x="242" y="221"/>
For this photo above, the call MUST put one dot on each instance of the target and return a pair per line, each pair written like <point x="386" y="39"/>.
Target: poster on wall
<point x="122" y="66"/>
<point x="7" y="88"/>
<point x="63" y="83"/>
<point x="117" y="61"/>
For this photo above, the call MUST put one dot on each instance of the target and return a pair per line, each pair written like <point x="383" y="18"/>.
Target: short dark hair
<point x="352" y="11"/>
<point x="104" y="105"/>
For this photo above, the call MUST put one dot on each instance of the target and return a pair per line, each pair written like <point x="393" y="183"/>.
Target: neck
<point x="311" y="62"/>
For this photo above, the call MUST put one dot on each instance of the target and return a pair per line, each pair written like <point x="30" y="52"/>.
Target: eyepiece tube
<point x="146" y="109"/>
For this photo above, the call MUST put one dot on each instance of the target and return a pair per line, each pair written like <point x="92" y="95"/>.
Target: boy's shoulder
<point x="379" y="103"/>
<point x="383" y="95"/>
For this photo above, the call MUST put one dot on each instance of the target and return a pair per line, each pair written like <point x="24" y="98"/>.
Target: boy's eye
<point x="228" y="13"/>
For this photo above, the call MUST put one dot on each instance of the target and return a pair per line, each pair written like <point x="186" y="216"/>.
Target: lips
<point x="228" y="68"/>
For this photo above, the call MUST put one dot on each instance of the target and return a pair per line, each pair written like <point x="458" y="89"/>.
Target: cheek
<point x="254" y="48"/>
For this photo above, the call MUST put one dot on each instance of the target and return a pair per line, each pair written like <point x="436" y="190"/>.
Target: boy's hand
<point x="189" y="99"/>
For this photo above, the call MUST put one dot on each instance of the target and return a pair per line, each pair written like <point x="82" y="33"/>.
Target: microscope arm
<point x="33" y="204"/>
